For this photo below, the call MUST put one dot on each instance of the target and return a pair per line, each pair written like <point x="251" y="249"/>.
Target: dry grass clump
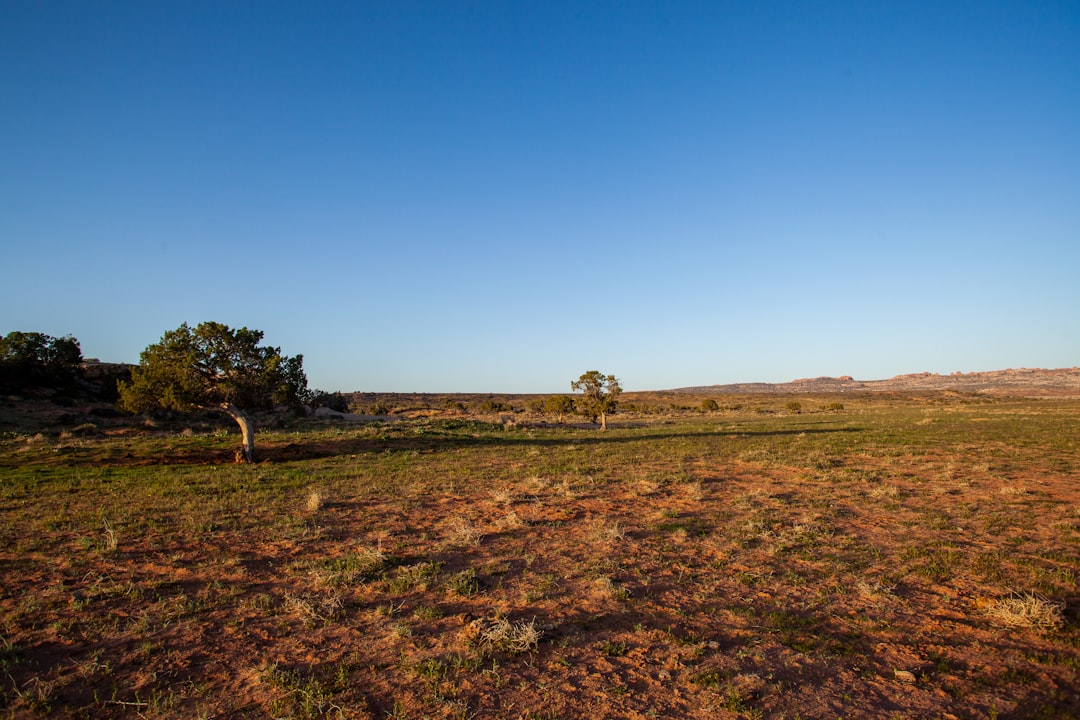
<point x="462" y="533"/>
<point x="883" y="491"/>
<point x="316" y="500"/>
<point x="510" y="521"/>
<point x="874" y="590"/>
<point x="1026" y="610"/>
<point x="312" y="610"/>
<point x="504" y="496"/>
<point x="535" y="485"/>
<point x="608" y="532"/>
<point x="1012" y="490"/>
<point x="111" y="541"/>
<point x="511" y="637"/>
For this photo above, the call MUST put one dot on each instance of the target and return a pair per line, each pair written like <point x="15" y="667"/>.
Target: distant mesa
<point x="1017" y="382"/>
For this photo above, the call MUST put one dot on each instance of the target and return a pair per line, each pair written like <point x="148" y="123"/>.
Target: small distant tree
<point x="33" y="359"/>
<point x="599" y="395"/>
<point x="709" y="405"/>
<point x="213" y="367"/>
<point x="559" y="406"/>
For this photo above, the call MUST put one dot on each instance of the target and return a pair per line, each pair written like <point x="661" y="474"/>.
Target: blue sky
<point x="498" y="196"/>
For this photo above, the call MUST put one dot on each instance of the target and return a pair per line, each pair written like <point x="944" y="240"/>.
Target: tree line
<point x="213" y="367"/>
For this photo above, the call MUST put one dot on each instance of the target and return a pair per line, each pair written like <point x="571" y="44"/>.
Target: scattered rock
<point x="904" y="676"/>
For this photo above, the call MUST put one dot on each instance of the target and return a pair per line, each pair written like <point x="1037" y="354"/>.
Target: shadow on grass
<point x="442" y="442"/>
<point x="273" y="448"/>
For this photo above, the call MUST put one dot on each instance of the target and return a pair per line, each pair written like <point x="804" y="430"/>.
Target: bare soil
<point x="845" y="564"/>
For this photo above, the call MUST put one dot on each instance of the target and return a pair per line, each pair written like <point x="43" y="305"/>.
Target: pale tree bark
<point x="603" y="420"/>
<point x="247" y="433"/>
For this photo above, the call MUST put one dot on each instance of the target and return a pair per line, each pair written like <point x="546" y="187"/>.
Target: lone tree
<point x="214" y="367"/>
<point x="599" y="396"/>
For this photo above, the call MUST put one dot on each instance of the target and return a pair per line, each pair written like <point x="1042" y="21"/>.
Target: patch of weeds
<point x="109" y="539"/>
<point x="792" y="629"/>
<point x="542" y="588"/>
<point x="362" y="565"/>
<point x="464" y="663"/>
<point x="10" y="654"/>
<point x="611" y="648"/>
<point x="712" y="679"/>
<point x="428" y="612"/>
<point x="313" y="609"/>
<point x="613" y="589"/>
<point x="263" y="603"/>
<point x="303" y="696"/>
<point x="433" y="670"/>
<point x="390" y="609"/>
<point x="418" y="576"/>
<point x="1069" y="660"/>
<point x="608" y="532"/>
<point x="875" y="590"/>
<point x="463" y="533"/>
<point x="691" y="526"/>
<point x="935" y="563"/>
<point x="544" y="715"/>
<point x="734" y="701"/>
<point x="464" y="583"/>
<point x="37" y="694"/>
<point x="751" y="578"/>
<point x="990" y="565"/>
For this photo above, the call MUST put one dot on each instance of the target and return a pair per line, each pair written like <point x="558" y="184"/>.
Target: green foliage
<point x="558" y="405"/>
<point x="32" y="359"/>
<point x="335" y="401"/>
<point x="211" y="366"/>
<point x="599" y="395"/>
<point x="709" y="405"/>
<point x="465" y="583"/>
<point x="492" y="406"/>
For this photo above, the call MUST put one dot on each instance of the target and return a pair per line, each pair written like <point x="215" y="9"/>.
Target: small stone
<point x="904" y="676"/>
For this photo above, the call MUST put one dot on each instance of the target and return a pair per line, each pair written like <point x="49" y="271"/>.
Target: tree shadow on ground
<point x="435" y="443"/>
<point x="283" y="449"/>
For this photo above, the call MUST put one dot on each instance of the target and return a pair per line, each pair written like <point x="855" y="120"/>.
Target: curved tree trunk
<point x="603" y="420"/>
<point x="247" y="433"/>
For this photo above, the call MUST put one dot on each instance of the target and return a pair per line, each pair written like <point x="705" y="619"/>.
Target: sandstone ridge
<point x="1020" y="382"/>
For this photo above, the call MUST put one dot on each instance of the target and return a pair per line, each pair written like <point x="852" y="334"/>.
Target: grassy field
<point x="893" y="558"/>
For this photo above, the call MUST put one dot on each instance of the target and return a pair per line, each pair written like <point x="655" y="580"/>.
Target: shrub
<point x="559" y="405"/>
<point x="335" y="401"/>
<point x="32" y="359"/>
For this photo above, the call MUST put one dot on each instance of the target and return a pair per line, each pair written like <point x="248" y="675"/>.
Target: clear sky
<point x="497" y="196"/>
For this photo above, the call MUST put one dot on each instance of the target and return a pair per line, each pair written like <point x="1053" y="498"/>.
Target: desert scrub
<point x="1025" y="610"/>
<point x="464" y="583"/>
<point x="501" y="634"/>
<point x="361" y="565"/>
<point x="417" y="577"/>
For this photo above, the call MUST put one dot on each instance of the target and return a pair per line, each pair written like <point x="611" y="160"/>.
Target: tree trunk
<point x="603" y="420"/>
<point x="246" y="454"/>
